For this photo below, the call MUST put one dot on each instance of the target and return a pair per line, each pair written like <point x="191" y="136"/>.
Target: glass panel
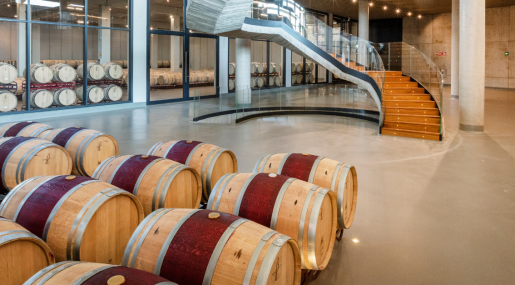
<point x="12" y="65"/>
<point x="202" y="64"/>
<point x="322" y="74"/>
<point x="108" y="13"/>
<point x="276" y="64"/>
<point x="166" y="76"/>
<point x="11" y="10"/>
<point x="64" y="12"/>
<point x="258" y="65"/>
<point x="166" y="15"/>
<point x="297" y="69"/>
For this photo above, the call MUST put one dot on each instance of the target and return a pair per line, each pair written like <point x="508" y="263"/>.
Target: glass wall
<point x="202" y="66"/>
<point x="45" y="53"/>
<point x="166" y="57"/>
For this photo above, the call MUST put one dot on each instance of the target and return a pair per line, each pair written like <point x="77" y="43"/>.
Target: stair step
<point x="411" y="134"/>
<point x="401" y="85"/>
<point x="409" y="103"/>
<point x="411" y="118"/>
<point x="413" y="126"/>
<point x="401" y="96"/>
<point x="389" y="79"/>
<point x="404" y="90"/>
<point x="412" y="111"/>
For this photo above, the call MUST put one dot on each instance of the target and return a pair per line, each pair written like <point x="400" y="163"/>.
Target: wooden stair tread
<point x="413" y="123"/>
<point x="412" y="131"/>
<point x="411" y="101"/>
<point x="414" y="115"/>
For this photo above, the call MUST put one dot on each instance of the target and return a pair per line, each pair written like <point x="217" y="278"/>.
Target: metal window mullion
<point x="130" y="55"/>
<point x="28" y="51"/>
<point x="85" y="95"/>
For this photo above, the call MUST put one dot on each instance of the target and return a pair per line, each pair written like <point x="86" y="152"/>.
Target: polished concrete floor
<point x="428" y="212"/>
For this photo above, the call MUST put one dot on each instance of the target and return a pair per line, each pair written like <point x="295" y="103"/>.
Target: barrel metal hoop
<point x="8" y="236"/>
<point x="256" y="167"/>
<point x="169" y="181"/>
<point x="55" y="272"/>
<point x="136" y="186"/>
<point x="340" y="195"/>
<point x="268" y="261"/>
<point x="169" y="239"/>
<point x="7" y="160"/>
<point x="45" y="271"/>
<point x="169" y="148"/>
<point x="210" y="171"/>
<point x="314" y="169"/>
<point x="60" y="203"/>
<point x="335" y="176"/>
<point x="283" y="161"/>
<point x="102" y="166"/>
<point x="300" y="238"/>
<point x="158" y="186"/>
<point x="192" y="152"/>
<point x="26" y="160"/>
<point x="166" y="283"/>
<point x="255" y="256"/>
<point x="312" y="230"/>
<point x="278" y="201"/>
<point x="72" y="137"/>
<point x="39" y="130"/>
<point x="154" y="148"/>
<point x="210" y="270"/>
<point x="11" y="194"/>
<point x="242" y="194"/>
<point x="227" y="177"/>
<point x="117" y="168"/>
<point x="204" y="166"/>
<point x="27" y="197"/>
<point x="92" y="273"/>
<point x="85" y="144"/>
<point x="266" y="161"/>
<point x="25" y="128"/>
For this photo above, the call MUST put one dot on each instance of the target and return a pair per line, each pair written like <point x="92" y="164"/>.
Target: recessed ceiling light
<point x="385" y="8"/>
<point x="398" y="11"/>
<point x="419" y="16"/>
<point x="409" y="13"/>
<point x="371" y="4"/>
<point x="355" y="240"/>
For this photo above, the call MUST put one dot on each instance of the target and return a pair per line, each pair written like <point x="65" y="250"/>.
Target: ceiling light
<point x="371" y="4"/>
<point x="355" y="240"/>
<point x="409" y="13"/>
<point x="16" y="16"/>
<point x="75" y="5"/>
<point x="8" y="5"/>
<point x="353" y="0"/>
<point x="44" y="3"/>
<point x="419" y="16"/>
<point x="398" y="11"/>
<point x="385" y="8"/>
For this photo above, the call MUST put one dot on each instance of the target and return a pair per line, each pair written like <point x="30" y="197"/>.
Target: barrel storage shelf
<point x="23" y="129"/>
<point x="88" y="273"/>
<point x="163" y="78"/>
<point x="210" y="161"/>
<point x="259" y="75"/>
<point x="321" y="171"/>
<point x="22" y="253"/>
<point x="88" y="148"/>
<point x="80" y="218"/>
<point x="157" y="182"/>
<point x="206" y="247"/>
<point x="25" y="157"/>
<point x="301" y="210"/>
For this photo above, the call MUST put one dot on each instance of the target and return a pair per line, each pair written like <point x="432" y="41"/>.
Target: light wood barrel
<point x="80" y="218"/>
<point x="311" y="66"/>
<point x="232" y="68"/>
<point x="22" y="158"/>
<point x="291" y="206"/>
<point x="112" y="70"/>
<point x="206" y="247"/>
<point x="210" y="77"/>
<point x="253" y="82"/>
<point x="278" y="81"/>
<point x="40" y="73"/>
<point x="94" y="71"/>
<point x="273" y="67"/>
<point x="22" y="254"/>
<point x="154" y="79"/>
<point x="88" y="273"/>
<point x="95" y="93"/>
<point x="8" y="73"/>
<point x="194" y="77"/>
<point x="300" y="79"/>
<point x="19" y="85"/>
<point x="113" y="92"/>
<point x="311" y="77"/>
<point x="72" y="63"/>
<point x="293" y="67"/>
<point x="262" y="68"/>
<point x="88" y="148"/>
<point x="157" y="182"/>
<point x="63" y="73"/>
<point x="160" y="64"/>
<point x="299" y="67"/>
<point x="232" y="84"/>
<point x="166" y="63"/>
<point x="261" y="81"/>
<point x="178" y="78"/>
<point x="119" y="62"/>
<point x="294" y="79"/>
<point x="39" y="98"/>
<point x="321" y="171"/>
<point x="23" y="129"/>
<point x="65" y="97"/>
<point x="210" y="161"/>
<point x="255" y="67"/>
<point x="8" y="101"/>
<point x="201" y="77"/>
<point x="125" y="64"/>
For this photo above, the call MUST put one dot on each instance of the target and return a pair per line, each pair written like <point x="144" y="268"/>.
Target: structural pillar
<point x="104" y="35"/>
<point x="21" y="43"/>
<point x="243" y="50"/>
<point x="363" y="19"/>
<point x="287" y="67"/>
<point x="472" y="65"/>
<point x="175" y="48"/>
<point x="223" y="68"/>
<point x="455" y="49"/>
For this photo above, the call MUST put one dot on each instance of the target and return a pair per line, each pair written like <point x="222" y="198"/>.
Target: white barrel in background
<point x="311" y="78"/>
<point x="8" y="101"/>
<point x="125" y="64"/>
<point x="294" y="79"/>
<point x="261" y="81"/>
<point x="63" y="73"/>
<point x="201" y="76"/>
<point x="19" y="85"/>
<point x="253" y="82"/>
<point x="274" y="68"/>
<point x="232" y="68"/>
<point x="65" y="97"/>
<point x="255" y="67"/>
<point x="300" y="79"/>
<point x="262" y="68"/>
<point x="210" y="77"/>
<point x="95" y="94"/>
<point x="232" y="84"/>
<point x="193" y="78"/>
<point x="299" y="66"/>
<point x="39" y="98"/>
<point x="8" y="73"/>
<point x="113" y="92"/>
<point x="113" y="70"/>
<point x="278" y="81"/>
<point x="94" y="71"/>
<point x="154" y="79"/>
<point x="310" y="67"/>
<point x="40" y="73"/>
<point x="177" y="78"/>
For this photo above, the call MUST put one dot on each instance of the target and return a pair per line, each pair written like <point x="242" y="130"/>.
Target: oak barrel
<point x="291" y="206"/>
<point x="293" y="67"/>
<point x="22" y="254"/>
<point x="261" y="81"/>
<point x="299" y="67"/>
<point x="40" y="74"/>
<point x="22" y="158"/>
<point x="232" y="68"/>
<point x="278" y="81"/>
<point x="210" y="161"/>
<point x="232" y="84"/>
<point x="65" y="97"/>
<point x="300" y="79"/>
<point x="112" y="70"/>
<point x="198" y="247"/>
<point x="8" y="101"/>
<point x="63" y="73"/>
<point x="157" y="182"/>
<point x="23" y="129"/>
<point x="113" y="92"/>
<point x="294" y="79"/>
<point x="94" y="71"/>
<point x="253" y="83"/>
<point x="80" y="218"/>
<point x="8" y="73"/>
<point x="166" y="63"/>
<point x="255" y="67"/>
<point x="95" y="93"/>
<point x="19" y="85"/>
<point x="311" y="66"/>
<point x="39" y="98"/>
<point x="321" y="171"/>
<point x="88" y="148"/>
<point x="160" y="64"/>
<point x="311" y="78"/>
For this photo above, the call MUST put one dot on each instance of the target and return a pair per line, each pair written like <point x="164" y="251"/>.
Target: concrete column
<point x="287" y="68"/>
<point x="243" y="50"/>
<point x="223" y="70"/>
<point x="139" y="64"/>
<point x="175" y="48"/>
<point x="363" y="19"/>
<point x="104" y="35"/>
<point x="21" y="44"/>
<point x="472" y="65"/>
<point x="455" y="49"/>
<point x="154" y="47"/>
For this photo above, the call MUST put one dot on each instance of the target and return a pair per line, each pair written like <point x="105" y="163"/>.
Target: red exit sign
<point x="441" y="53"/>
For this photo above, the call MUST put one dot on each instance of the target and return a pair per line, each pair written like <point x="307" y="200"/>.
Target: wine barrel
<point x="211" y="161"/>
<point x="95" y="93"/>
<point x="193" y="77"/>
<point x="88" y="148"/>
<point x="311" y="66"/>
<point x="94" y="71"/>
<point x="278" y="81"/>
<point x="291" y="206"/>
<point x="65" y="97"/>
<point x="157" y="182"/>
<point x="311" y="78"/>
<point x="253" y="83"/>
<point x="154" y="79"/>
<point x="299" y="67"/>
<point x="300" y="78"/>
<point x="178" y="78"/>
<point x="22" y="253"/>
<point x="125" y="63"/>
<point x="88" y="273"/>
<point x="63" y="73"/>
<point x="8" y="73"/>
<point x="275" y="68"/>
<point x="19" y="85"/>
<point x="293" y="67"/>
<point x="232" y="69"/>
<point x="22" y="158"/>
<point x="261" y="68"/>
<point x="112" y="70"/>
<point x="206" y="247"/>
<point x="72" y="63"/>
<point x="166" y="63"/>
<point x="8" y="101"/>
<point x="113" y="92"/>
<point x="261" y="81"/>
<point x="39" y="98"/>
<point x="232" y="84"/>
<point x="160" y="64"/>
<point x="80" y="218"/>
<point x="40" y="73"/>
<point x="201" y="77"/>
<point x="294" y="79"/>
<point x="255" y="67"/>
<point x="321" y="171"/>
<point x="23" y="129"/>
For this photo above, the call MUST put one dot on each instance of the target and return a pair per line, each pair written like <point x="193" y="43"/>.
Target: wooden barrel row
<point x="42" y="98"/>
<point x="63" y="73"/>
<point x="71" y="62"/>
<point x="8" y="101"/>
<point x="11" y="62"/>
<point x="299" y="67"/>
<point x="94" y="71"/>
<point x="112" y="71"/>
<point x="258" y="68"/>
<point x="122" y="63"/>
<point x="163" y="63"/>
<point x="40" y="73"/>
<point x="97" y="94"/>
<point x="8" y="73"/>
